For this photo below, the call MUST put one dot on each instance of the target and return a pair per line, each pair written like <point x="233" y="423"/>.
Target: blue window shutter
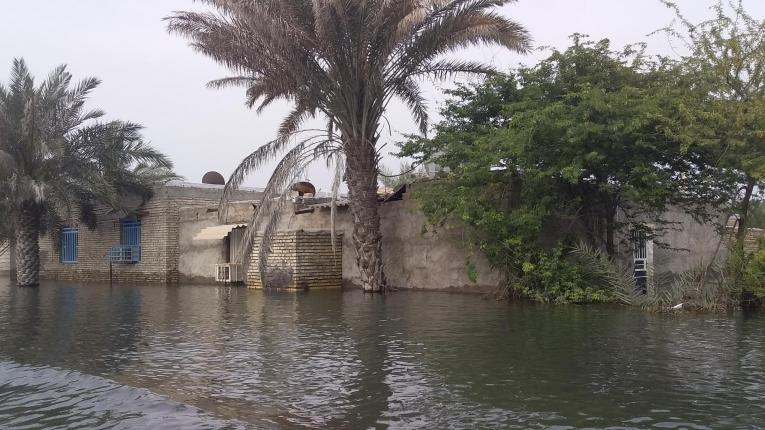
<point x="130" y="236"/>
<point x="70" y="238"/>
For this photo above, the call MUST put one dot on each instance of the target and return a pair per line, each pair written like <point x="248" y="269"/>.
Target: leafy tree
<point x="343" y="61"/>
<point x="589" y="142"/>
<point x="757" y="214"/>
<point x="726" y="64"/>
<point x="57" y="162"/>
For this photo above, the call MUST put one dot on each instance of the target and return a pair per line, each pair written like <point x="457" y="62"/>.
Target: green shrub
<point x="553" y="277"/>
<point x="706" y="288"/>
<point x="754" y="276"/>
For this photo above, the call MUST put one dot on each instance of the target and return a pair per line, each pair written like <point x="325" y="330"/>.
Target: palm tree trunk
<point x="27" y="246"/>
<point x="12" y="257"/>
<point x="361" y="173"/>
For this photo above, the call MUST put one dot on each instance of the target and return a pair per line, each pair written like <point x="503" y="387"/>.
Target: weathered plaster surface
<point x="686" y="244"/>
<point x="691" y="243"/>
<point x="413" y="257"/>
<point x="197" y="258"/>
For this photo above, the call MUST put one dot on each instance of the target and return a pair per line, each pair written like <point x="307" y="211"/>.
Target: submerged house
<point x="141" y="245"/>
<point x="178" y="236"/>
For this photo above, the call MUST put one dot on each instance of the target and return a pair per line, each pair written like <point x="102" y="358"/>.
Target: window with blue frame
<point x="70" y="241"/>
<point x="130" y="236"/>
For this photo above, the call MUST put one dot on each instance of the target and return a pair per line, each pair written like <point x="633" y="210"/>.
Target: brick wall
<point x="752" y="241"/>
<point x="318" y="264"/>
<point x="5" y="258"/>
<point x="160" y="250"/>
<point x="299" y="259"/>
<point x="158" y="241"/>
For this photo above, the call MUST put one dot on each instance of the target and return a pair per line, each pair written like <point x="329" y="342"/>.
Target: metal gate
<point x="640" y="260"/>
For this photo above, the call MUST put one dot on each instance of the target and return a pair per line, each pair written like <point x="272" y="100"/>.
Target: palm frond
<point x="345" y="60"/>
<point x="605" y="272"/>
<point x="411" y="94"/>
<point x="57" y="158"/>
<point x="268" y="211"/>
<point x="445" y="69"/>
<point x="232" y="81"/>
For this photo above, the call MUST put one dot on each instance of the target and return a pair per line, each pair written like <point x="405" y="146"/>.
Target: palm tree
<point x="342" y="60"/>
<point x="57" y="161"/>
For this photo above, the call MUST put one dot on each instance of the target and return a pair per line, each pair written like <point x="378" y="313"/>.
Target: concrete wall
<point x="197" y="258"/>
<point x="412" y="257"/>
<point x="686" y="244"/>
<point x="692" y="244"/>
<point x="417" y="258"/>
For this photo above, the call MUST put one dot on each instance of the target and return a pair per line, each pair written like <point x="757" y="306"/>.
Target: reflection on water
<point x="214" y="357"/>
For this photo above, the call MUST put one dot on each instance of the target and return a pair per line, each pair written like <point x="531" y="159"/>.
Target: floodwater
<point x="94" y="356"/>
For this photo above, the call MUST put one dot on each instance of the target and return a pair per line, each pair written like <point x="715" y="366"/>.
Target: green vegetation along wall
<point x="565" y="146"/>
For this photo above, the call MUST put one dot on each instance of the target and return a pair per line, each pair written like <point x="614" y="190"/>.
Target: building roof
<point x="184" y="184"/>
<point x="327" y="205"/>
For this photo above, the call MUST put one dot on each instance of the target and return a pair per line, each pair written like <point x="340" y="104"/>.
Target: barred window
<point x="70" y="240"/>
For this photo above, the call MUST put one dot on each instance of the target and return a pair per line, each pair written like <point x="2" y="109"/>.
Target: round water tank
<point x="303" y="188"/>
<point x="213" y="178"/>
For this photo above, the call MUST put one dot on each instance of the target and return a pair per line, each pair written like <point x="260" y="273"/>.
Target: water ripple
<point x="51" y="398"/>
<point x="216" y="357"/>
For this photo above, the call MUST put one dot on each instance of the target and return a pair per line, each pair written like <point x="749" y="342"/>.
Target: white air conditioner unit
<point x="229" y="273"/>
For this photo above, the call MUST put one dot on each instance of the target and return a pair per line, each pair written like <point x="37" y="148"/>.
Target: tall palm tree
<point x="57" y="161"/>
<point x="343" y="60"/>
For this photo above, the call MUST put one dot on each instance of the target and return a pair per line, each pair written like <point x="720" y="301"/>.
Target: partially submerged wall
<point x="413" y="256"/>
<point x="160" y="239"/>
<point x="158" y="262"/>
<point x="5" y="259"/>
<point x="197" y="258"/>
<point x="299" y="259"/>
<point x="691" y="245"/>
<point x="681" y="245"/>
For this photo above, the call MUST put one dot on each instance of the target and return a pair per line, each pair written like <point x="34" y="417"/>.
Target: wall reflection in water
<point x="338" y="359"/>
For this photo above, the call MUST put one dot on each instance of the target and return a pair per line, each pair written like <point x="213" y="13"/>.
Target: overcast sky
<point x="155" y="79"/>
